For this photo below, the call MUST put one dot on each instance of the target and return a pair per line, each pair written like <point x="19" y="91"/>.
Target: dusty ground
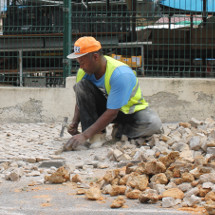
<point x="33" y="148"/>
<point x="22" y="141"/>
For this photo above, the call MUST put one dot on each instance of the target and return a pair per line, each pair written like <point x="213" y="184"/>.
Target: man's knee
<point x="156" y="125"/>
<point x="82" y="85"/>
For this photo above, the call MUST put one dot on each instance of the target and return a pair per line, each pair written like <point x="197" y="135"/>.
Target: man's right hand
<point x="73" y="142"/>
<point x="73" y="129"/>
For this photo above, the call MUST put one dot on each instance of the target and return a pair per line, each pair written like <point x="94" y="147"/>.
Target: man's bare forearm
<point x="76" y="117"/>
<point x="106" y="118"/>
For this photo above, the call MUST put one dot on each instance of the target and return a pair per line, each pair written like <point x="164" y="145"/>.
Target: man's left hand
<point x="74" y="142"/>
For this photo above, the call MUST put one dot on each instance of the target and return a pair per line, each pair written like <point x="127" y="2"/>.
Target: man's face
<point x="87" y="63"/>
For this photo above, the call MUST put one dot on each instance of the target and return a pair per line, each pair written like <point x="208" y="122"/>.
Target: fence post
<point x="66" y="37"/>
<point x="20" y="69"/>
<point x="204" y="13"/>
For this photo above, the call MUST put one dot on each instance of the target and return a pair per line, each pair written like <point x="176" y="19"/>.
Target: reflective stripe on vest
<point x="136" y="101"/>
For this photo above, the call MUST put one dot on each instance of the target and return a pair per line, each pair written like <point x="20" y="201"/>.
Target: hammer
<point x="64" y="125"/>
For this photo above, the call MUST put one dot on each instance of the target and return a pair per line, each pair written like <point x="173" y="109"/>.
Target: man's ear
<point x="96" y="56"/>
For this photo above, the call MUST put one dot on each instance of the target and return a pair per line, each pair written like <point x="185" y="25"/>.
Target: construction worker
<point x="107" y="91"/>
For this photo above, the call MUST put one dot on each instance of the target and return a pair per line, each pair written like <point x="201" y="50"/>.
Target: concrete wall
<point x="174" y="100"/>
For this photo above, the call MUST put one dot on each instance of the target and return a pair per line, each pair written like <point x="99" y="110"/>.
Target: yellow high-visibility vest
<point x="136" y="101"/>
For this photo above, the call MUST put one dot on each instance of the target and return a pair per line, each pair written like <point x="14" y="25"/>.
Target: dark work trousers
<point x="92" y="101"/>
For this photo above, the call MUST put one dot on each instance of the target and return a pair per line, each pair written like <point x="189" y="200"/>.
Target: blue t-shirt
<point x="122" y="82"/>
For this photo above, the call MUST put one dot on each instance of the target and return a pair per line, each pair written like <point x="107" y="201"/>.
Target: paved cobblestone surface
<point x="26" y="147"/>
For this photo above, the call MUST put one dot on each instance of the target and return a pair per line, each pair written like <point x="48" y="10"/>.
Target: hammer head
<point x="64" y="125"/>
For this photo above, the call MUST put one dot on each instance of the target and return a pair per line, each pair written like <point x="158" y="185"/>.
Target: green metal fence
<point x="31" y="43"/>
<point x="157" y="38"/>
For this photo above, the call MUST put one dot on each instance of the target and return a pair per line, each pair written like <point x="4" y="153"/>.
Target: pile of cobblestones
<point x="176" y="167"/>
<point x="173" y="169"/>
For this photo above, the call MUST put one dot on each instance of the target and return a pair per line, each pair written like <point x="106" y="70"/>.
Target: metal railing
<point x="157" y="38"/>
